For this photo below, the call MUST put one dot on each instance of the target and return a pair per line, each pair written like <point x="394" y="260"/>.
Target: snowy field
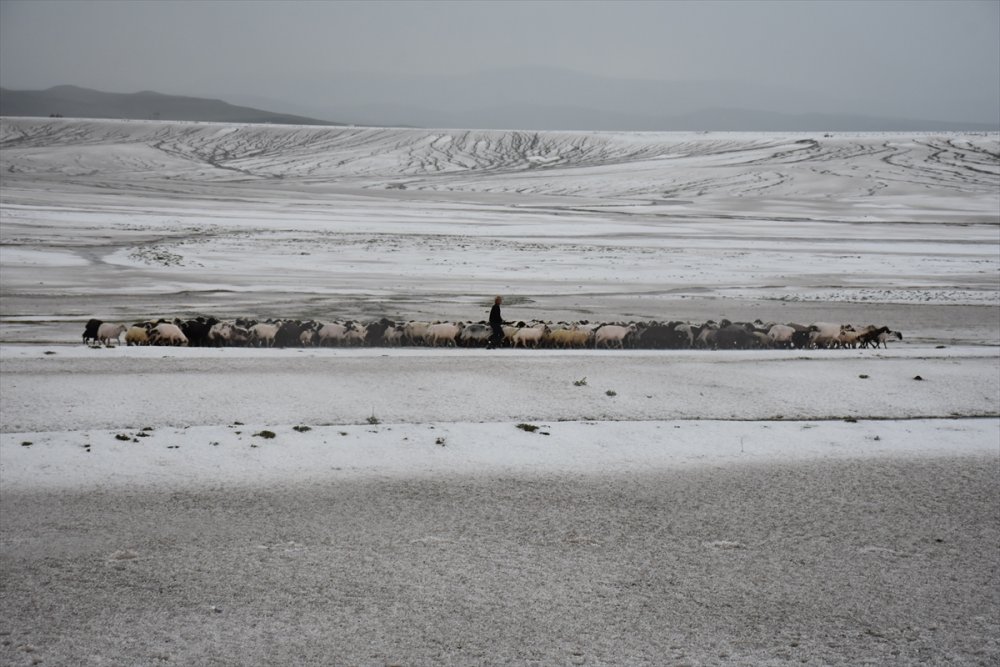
<point x="440" y="506"/>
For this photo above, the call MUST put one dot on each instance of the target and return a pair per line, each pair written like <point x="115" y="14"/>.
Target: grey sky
<point x="940" y="57"/>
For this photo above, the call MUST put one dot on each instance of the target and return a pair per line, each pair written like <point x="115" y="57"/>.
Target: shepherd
<point x="496" y="322"/>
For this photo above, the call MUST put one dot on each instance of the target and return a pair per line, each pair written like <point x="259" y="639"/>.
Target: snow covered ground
<point x="125" y="220"/>
<point x="691" y="507"/>
<point x="607" y="411"/>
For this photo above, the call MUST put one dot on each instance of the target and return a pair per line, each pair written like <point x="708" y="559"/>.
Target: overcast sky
<point x="940" y="57"/>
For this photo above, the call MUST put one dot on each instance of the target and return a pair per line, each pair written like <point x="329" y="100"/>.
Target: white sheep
<point x="167" y="334"/>
<point x="356" y="334"/>
<point x="444" y="333"/>
<point x="414" y="332"/>
<point x="263" y="334"/>
<point x="532" y="335"/>
<point x="780" y="335"/>
<point x="108" y="332"/>
<point x="825" y="334"/>
<point x="393" y="335"/>
<point x="613" y="334"/>
<point x="509" y="331"/>
<point x="333" y="333"/>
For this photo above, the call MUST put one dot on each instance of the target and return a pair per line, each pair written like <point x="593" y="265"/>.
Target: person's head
<point x="497" y="301"/>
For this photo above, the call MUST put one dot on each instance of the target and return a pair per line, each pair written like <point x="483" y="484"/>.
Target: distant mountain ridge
<point x="518" y="99"/>
<point x="76" y="102"/>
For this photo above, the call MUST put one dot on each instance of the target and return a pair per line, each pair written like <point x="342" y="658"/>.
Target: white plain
<point x="821" y="507"/>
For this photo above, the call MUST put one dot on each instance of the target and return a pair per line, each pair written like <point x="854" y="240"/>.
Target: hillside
<point x="545" y="100"/>
<point x="318" y="221"/>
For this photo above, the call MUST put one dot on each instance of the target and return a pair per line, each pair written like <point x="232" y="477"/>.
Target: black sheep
<point x="90" y="331"/>
<point x="197" y="330"/>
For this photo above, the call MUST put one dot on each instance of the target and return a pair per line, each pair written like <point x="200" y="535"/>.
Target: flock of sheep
<point x="209" y="331"/>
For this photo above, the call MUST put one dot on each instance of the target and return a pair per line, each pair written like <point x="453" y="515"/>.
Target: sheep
<point x="706" y="337"/>
<point x="289" y="333"/>
<point x="780" y="335"/>
<point x="850" y="337"/>
<point x="90" y="330"/>
<point x="613" y="334"/>
<point x="263" y="334"/>
<point x="874" y="336"/>
<point x="559" y="335"/>
<point x="564" y="335"/>
<point x="802" y="340"/>
<point x="509" y="330"/>
<point x="669" y="336"/>
<point x="108" y="332"/>
<point x="138" y="334"/>
<point x="333" y="333"/>
<point x="579" y="337"/>
<point x="165" y="333"/>
<point x="885" y="335"/>
<point x="221" y="333"/>
<point x="530" y="335"/>
<point x="228" y="334"/>
<point x="198" y="330"/>
<point x="414" y="332"/>
<point x="569" y="337"/>
<point x="825" y="334"/>
<point x="375" y="332"/>
<point x="686" y="333"/>
<point x="393" y="335"/>
<point x="445" y="333"/>
<point x="356" y="334"/>
<point x="477" y="334"/>
<point x="735" y="336"/>
<point x="690" y="335"/>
